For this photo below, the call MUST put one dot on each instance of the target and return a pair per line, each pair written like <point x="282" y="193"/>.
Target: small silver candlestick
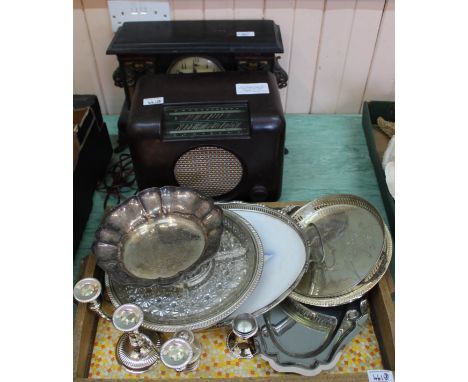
<point x="88" y="291"/>
<point x="240" y="340"/>
<point x="134" y="350"/>
<point x="177" y="353"/>
<point x="188" y="336"/>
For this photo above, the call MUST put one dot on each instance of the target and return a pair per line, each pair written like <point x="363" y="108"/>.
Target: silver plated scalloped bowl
<point x="200" y="302"/>
<point x="158" y="235"/>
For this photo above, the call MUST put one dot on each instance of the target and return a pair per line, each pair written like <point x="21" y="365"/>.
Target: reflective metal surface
<point x="236" y="270"/>
<point x="87" y="290"/>
<point x="244" y="326"/>
<point x="239" y="348"/>
<point x="176" y="353"/>
<point x="239" y="341"/>
<point x="157" y="235"/>
<point x="136" y="359"/>
<point x="134" y="351"/>
<point x="305" y="340"/>
<point x="351" y="249"/>
<point x="286" y="255"/>
<point x="127" y="318"/>
<point x="188" y="336"/>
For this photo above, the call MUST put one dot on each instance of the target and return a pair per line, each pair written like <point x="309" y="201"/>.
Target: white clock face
<point x="195" y="64"/>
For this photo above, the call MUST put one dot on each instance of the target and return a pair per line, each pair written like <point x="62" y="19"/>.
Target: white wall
<point x="338" y="53"/>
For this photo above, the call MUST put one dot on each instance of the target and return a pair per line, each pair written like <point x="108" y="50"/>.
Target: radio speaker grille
<point x="211" y="170"/>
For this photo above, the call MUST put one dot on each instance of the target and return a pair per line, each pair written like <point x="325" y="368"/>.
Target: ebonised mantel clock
<point x="196" y="47"/>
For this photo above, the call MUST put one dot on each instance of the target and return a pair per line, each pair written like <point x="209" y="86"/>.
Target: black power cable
<point x="120" y="178"/>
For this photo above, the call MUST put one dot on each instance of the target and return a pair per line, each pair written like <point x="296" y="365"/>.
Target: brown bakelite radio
<point x="221" y="133"/>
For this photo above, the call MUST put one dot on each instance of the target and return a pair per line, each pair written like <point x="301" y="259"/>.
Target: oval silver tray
<point x="308" y="215"/>
<point x="205" y="297"/>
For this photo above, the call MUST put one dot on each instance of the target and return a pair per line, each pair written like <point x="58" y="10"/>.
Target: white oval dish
<point x="286" y="256"/>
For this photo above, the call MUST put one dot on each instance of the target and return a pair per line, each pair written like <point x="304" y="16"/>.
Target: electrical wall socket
<point x="132" y="10"/>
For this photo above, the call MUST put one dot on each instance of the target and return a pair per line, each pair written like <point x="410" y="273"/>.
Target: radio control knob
<point x="258" y="193"/>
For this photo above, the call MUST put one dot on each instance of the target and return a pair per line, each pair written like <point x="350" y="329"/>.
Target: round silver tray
<point x="376" y="257"/>
<point x="286" y="255"/>
<point x="207" y="296"/>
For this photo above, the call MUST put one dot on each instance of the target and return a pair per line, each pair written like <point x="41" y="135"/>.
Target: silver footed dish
<point x="205" y="297"/>
<point x="157" y="236"/>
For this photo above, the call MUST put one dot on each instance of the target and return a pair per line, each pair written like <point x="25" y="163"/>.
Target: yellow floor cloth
<point x="361" y="354"/>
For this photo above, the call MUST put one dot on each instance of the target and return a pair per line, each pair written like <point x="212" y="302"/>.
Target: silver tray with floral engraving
<point x="209" y="294"/>
<point x="351" y="248"/>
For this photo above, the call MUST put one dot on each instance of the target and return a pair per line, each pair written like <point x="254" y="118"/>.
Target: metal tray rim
<point x="288" y="220"/>
<point x="208" y="322"/>
<point x="302" y="370"/>
<point x="371" y="279"/>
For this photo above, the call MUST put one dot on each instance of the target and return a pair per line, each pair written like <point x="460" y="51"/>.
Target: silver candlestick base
<point x="88" y="291"/>
<point x="240" y="340"/>
<point x="154" y="337"/>
<point x="135" y="359"/>
<point x="196" y="348"/>
<point x="134" y="351"/>
<point x="182" y="352"/>
<point x="176" y="353"/>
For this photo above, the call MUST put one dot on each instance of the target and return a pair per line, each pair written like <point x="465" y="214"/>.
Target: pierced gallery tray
<point x="351" y="248"/>
<point x="205" y="297"/>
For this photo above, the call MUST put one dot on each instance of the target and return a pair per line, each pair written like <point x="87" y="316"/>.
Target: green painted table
<point x="327" y="155"/>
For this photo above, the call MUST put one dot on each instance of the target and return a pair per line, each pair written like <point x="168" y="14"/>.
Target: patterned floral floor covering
<point x="360" y="354"/>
